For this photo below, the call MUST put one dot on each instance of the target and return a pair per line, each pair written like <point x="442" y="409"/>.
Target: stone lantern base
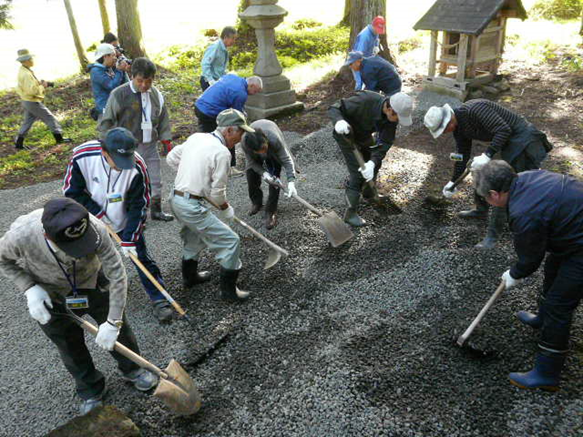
<point x="277" y="98"/>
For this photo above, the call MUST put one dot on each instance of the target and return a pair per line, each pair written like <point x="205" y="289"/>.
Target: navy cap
<point x="68" y="225"/>
<point x="353" y="57"/>
<point x="121" y="145"/>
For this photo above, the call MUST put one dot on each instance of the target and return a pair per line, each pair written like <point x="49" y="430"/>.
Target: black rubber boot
<point x="156" y="211"/>
<point x="535" y="321"/>
<point x="255" y="209"/>
<point x="351" y="216"/>
<point x="229" y="289"/>
<point x="59" y="138"/>
<point x="19" y="143"/>
<point x="270" y="219"/>
<point x="495" y="227"/>
<point x="480" y="211"/>
<point x="190" y="274"/>
<point x="545" y="375"/>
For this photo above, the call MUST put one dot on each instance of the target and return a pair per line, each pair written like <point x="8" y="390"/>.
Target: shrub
<point x="305" y="23"/>
<point x="557" y="9"/>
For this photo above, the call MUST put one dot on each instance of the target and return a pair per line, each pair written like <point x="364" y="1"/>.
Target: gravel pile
<point x="357" y="340"/>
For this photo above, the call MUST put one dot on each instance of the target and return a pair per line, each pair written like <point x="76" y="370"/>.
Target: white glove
<point x="368" y="170"/>
<point x="480" y="162"/>
<point x="129" y="250"/>
<point x="342" y="127"/>
<point x="106" y="336"/>
<point x="226" y="214"/>
<point x="447" y="191"/>
<point x="268" y="178"/>
<point x="376" y="50"/>
<point x="212" y="82"/>
<point x="509" y="281"/>
<point x="37" y="297"/>
<point x="291" y="189"/>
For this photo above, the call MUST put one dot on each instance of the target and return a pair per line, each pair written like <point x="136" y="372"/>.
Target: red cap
<point x="378" y="23"/>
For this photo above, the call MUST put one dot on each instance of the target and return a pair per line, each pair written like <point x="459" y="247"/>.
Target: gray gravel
<point x="356" y="340"/>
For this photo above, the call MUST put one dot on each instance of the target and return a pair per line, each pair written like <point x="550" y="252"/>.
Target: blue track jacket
<point x="229" y="92"/>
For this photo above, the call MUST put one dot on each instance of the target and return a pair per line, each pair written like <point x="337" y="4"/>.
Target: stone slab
<point x="273" y="84"/>
<point x="256" y="113"/>
<point x="272" y="100"/>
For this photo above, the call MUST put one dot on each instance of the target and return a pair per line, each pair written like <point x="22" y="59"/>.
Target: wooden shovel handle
<point x="360" y="160"/>
<point x="482" y="313"/>
<point x="298" y="198"/>
<point x="153" y="280"/>
<point x="462" y="176"/>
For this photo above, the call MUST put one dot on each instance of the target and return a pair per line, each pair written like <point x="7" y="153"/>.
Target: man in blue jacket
<point x="105" y="77"/>
<point x="368" y="42"/>
<point x="545" y="212"/>
<point x="216" y="58"/>
<point x="231" y="91"/>
<point x="377" y="73"/>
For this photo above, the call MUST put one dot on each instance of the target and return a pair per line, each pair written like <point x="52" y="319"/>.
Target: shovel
<point x="176" y="388"/>
<point x="333" y="226"/>
<point x="275" y="252"/>
<point x="437" y="200"/>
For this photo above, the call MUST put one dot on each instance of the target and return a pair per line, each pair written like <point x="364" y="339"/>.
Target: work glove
<point x="37" y="298"/>
<point x="128" y="250"/>
<point x="368" y="170"/>
<point x="509" y="281"/>
<point x="447" y="192"/>
<point x="342" y="127"/>
<point x="480" y="162"/>
<point x="226" y="214"/>
<point x="106" y="336"/>
<point x="211" y="82"/>
<point x="291" y="189"/>
<point x="270" y="179"/>
<point x="376" y="50"/>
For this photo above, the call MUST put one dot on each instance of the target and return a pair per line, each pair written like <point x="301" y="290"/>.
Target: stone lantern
<point x="277" y="96"/>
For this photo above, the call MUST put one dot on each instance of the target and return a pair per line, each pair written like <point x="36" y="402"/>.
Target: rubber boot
<point x="19" y="143"/>
<point x="545" y="375"/>
<point x="162" y="310"/>
<point x="229" y="289"/>
<point x="480" y="211"/>
<point x="255" y="209"/>
<point x="156" y="211"/>
<point x="495" y="226"/>
<point x="270" y="219"/>
<point x="59" y="138"/>
<point x="190" y="274"/>
<point x="535" y="321"/>
<point x="350" y="216"/>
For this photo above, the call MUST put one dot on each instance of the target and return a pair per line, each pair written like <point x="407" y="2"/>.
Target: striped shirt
<point x="483" y="120"/>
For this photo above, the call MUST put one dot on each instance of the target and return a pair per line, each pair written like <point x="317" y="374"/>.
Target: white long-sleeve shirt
<point x="202" y="164"/>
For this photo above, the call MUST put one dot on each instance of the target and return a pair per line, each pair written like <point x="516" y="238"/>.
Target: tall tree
<point x="129" y="28"/>
<point x="361" y="14"/>
<point x="78" y="46"/>
<point x="104" y="16"/>
<point x="5" y="14"/>
<point x="346" y="16"/>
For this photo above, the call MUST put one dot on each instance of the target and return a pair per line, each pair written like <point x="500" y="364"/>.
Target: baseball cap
<point x="232" y="117"/>
<point x="436" y="119"/>
<point x="121" y="144"/>
<point x="378" y="23"/>
<point x="104" y="49"/>
<point x="353" y="57"/>
<point x="402" y="104"/>
<point x="68" y="225"/>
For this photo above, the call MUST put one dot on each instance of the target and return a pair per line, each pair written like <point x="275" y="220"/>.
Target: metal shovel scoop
<point x="333" y="226"/>
<point x="275" y="251"/>
<point x="176" y="388"/>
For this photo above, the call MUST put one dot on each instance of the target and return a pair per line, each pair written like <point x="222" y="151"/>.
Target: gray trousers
<point x="202" y="229"/>
<point x="34" y="111"/>
<point x="149" y="152"/>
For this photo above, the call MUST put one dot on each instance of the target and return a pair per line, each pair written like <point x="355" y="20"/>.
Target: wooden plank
<point x="454" y="61"/>
<point x="500" y="48"/>
<point x="433" y="53"/>
<point x="473" y="53"/>
<point x="462" y="57"/>
<point x="509" y="13"/>
<point x="444" y="42"/>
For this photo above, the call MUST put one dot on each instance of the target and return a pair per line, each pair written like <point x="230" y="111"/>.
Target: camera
<point x="121" y="57"/>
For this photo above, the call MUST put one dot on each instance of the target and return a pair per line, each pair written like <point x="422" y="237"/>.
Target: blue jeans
<point x="153" y="293"/>
<point x="202" y="229"/>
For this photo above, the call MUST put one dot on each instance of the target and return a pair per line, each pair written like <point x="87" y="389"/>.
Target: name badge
<point x="456" y="156"/>
<point x="146" y="125"/>
<point x="114" y="198"/>
<point x="77" y="302"/>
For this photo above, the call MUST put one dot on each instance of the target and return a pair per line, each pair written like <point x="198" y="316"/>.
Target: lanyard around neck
<point x="72" y="283"/>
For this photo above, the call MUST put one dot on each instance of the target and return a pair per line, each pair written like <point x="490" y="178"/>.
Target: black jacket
<point x="545" y="211"/>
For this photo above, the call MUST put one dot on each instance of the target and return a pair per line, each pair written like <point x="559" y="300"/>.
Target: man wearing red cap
<point x="368" y="43"/>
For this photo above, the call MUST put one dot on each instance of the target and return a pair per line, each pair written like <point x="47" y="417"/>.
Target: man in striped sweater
<point x="111" y="180"/>
<point x="518" y="142"/>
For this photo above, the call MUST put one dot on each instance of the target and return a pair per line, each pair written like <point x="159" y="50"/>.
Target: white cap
<point x="402" y="104"/>
<point x="437" y="119"/>
<point x="104" y="49"/>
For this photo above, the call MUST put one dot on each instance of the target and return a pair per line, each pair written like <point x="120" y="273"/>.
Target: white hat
<point x="402" y="104"/>
<point x="104" y="49"/>
<point x="437" y="119"/>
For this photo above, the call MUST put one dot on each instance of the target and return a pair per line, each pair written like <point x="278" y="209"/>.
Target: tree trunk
<point x="78" y="46"/>
<point x="104" y="16"/>
<point x="581" y="29"/>
<point x="361" y="14"/>
<point x="346" y="16"/>
<point x="129" y="29"/>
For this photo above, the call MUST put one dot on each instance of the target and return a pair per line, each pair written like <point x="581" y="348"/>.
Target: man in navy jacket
<point x="377" y="73"/>
<point x="545" y="213"/>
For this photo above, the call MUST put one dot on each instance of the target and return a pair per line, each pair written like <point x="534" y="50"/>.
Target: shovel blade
<point x="272" y="259"/>
<point x="178" y="392"/>
<point x="335" y="229"/>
